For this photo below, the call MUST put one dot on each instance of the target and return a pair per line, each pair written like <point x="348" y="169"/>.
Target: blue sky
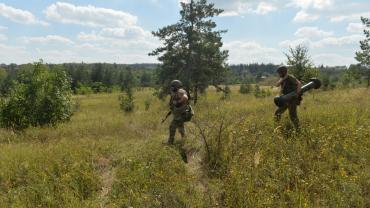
<point x="119" y="30"/>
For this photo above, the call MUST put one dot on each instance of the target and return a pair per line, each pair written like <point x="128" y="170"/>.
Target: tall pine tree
<point x="363" y="56"/>
<point x="191" y="50"/>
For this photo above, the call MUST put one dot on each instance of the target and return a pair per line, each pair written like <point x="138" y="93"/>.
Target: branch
<point x="219" y="88"/>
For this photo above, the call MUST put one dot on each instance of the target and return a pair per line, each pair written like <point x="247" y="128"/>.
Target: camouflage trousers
<point x="176" y="124"/>
<point x="292" y="108"/>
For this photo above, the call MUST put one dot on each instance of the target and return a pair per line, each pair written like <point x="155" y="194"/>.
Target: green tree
<point x="363" y="56"/>
<point x="325" y="79"/>
<point x="39" y="96"/>
<point x="127" y="85"/>
<point x="192" y="49"/>
<point x="97" y="73"/>
<point x="300" y="63"/>
<point x="145" y="79"/>
<point x="3" y="76"/>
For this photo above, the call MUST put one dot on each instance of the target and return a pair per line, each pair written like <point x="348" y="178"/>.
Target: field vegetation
<point x="233" y="156"/>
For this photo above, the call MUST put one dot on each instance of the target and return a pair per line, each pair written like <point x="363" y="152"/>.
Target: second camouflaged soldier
<point x="288" y="83"/>
<point x="178" y="106"/>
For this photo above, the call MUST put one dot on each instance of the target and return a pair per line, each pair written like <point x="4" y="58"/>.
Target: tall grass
<point x="106" y="158"/>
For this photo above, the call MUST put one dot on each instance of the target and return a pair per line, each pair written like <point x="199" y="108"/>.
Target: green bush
<point x="127" y="102"/>
<point x="245" y="89"/>
<point x="98" y="87"/>
<point x="226" y="93"/>
<point x="39" y="96"/>
<point x="83" y="89"/>
<point x="261" y="93"/>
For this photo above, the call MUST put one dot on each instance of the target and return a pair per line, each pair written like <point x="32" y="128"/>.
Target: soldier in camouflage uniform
<point x="178" y="103"/>
<point x="288" y="83"/>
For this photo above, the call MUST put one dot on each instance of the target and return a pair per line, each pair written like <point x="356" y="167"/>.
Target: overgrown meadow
<point x="234" y="155"/>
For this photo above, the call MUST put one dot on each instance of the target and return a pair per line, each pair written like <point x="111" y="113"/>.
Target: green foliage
<point x="3" y="76"/>
<point x="261" y="93"/>
<point x="300" y="64"/>
<point x="325" y="81"/>
<point x="127" y="102"/>
<point x="352" y="76"/>
<point x="192" y="50"/>
<point x="245" y="88"/>
<point x="226" y="93"/>
<point x="98" y="87"/>
<point x="83" y="89"/>
<point x="146" y="80"/>
<point x="38" y="97"/>
<point x="363" y="56"/>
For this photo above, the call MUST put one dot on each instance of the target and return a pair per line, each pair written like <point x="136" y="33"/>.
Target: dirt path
<point x="107" y="178"/>
<point x="194" y="168"/>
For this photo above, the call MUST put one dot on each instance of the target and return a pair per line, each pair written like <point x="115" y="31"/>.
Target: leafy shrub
<point x="245" y="89"/>
<point x="127" y="102"/>
<point x="261" y="93"/>
<point x="83" y="89"/>
<point x="226" y="93"/>
<point x="98" y="87"/>
<point x="37" y="97"/>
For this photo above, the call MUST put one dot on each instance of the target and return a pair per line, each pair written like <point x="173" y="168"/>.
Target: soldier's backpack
<point x="187" y="114"/>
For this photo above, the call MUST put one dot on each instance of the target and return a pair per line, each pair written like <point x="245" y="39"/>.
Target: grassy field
<point x="236" y="155"/>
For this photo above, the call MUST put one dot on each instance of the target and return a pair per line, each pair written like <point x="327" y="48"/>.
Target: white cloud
<point x="355" y="27"/>
<point x="337" y="41"/>
<point x="229" y="14"/>
<point x="264" y="8"/>
<point x="18" y="15"/>
<point x="242" y="7"/>
<point x="3" y="37"/>
<point x="332" y="59"/>
<point x="90" y="37"/>
<point x="251" y="52"/>
<point x="48" y="39"/>
<point x="133" y="32"/>
<point x="293" y="43"/>
<point x="89" y="15"/>
<point x="2" y="28"/>
<point x="110" y="38"/>
<point x="351" y="17"/>
<point x="327" y="41"/>
<point x="311" y="32"/>
<point x="303" y="16"/>
<point x="13" y="54"/>
<point x="316" y="4"/>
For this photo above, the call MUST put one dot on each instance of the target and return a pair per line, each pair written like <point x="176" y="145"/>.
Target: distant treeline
<point x="104" y="77"/>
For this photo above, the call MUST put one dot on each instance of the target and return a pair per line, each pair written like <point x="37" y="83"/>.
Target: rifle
<point x="168" y="114"/>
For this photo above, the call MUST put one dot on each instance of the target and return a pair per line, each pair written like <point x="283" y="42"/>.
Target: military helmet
<point x="177" y="84"/>
<point x="282" y="69"/>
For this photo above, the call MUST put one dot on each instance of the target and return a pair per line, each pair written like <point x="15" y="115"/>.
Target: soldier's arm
<point x="281" y="80"/>
<point x="278" y="83"/>
<point x="183" y="97"/>
<point x="299" y="87"/>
